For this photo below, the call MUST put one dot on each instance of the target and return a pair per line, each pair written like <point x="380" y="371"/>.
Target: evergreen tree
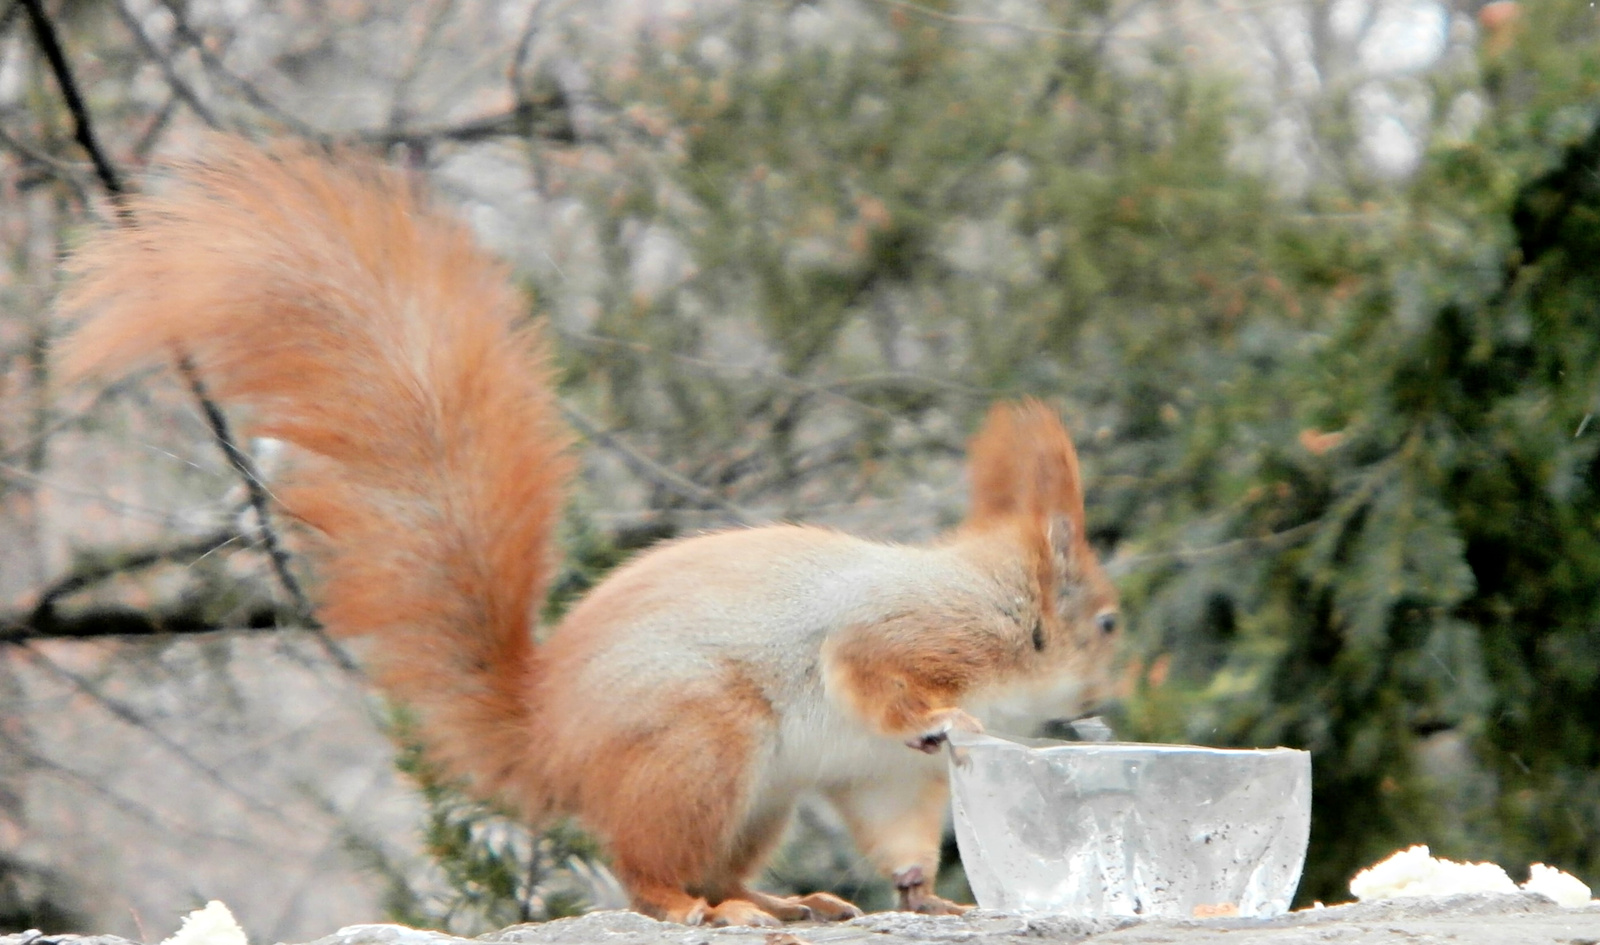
<point x="1411" y="591"/>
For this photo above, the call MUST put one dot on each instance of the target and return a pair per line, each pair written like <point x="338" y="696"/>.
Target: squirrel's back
<point x="766" y="599"/>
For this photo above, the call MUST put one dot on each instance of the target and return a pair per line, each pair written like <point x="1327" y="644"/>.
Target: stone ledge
<point x="1458" y="920"/>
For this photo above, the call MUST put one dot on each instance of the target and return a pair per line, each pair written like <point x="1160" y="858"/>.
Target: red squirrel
<point x="682" y="706"/>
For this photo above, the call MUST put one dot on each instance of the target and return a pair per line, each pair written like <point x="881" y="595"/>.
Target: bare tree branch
<point x="1275" y="541"/>
<point x="153" y="129"/>
<point x="798" y="385"/>
<point x="46" y="621"/>
<point x="44" y="33"/>
<point x="245" y="466"/>
<point x="983" y="21"/>
<point x="100" y="623"/>
<point x="519" y="121"/>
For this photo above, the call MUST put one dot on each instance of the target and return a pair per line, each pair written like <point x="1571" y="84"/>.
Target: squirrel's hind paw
<point x="826" y="907"/>
<point x="819" y="907"/>
<point x="738" y="912"/>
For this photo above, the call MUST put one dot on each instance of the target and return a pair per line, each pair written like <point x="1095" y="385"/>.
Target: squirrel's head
<point x="1079" y="615"/>
<point x="1025" y="480"/>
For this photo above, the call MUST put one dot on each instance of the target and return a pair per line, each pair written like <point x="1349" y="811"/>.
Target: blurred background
<point x="1314" y="283"/>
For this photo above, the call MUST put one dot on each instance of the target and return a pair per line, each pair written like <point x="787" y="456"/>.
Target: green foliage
<point x="492" y="872"/>
<point x="587" y="554"/>
<point x="1423" y="580"/>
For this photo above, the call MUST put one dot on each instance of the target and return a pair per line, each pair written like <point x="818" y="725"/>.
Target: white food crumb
<point x="1414" y="872"/>
<point x="213" y="925"/>
<point x="1563" y="887"/>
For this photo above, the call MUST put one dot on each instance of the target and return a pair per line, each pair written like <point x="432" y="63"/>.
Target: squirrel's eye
<point x="1038" y="634"/>
<point x="1107" y="622"/>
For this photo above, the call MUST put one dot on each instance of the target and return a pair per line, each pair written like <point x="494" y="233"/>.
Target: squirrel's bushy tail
<point x="368" y="329"/>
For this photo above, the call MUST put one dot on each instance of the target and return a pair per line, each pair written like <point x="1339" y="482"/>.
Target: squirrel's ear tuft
<point x="1023" y="463"/>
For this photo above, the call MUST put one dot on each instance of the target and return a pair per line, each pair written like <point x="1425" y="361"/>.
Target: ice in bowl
<point x="1125" y="829"/>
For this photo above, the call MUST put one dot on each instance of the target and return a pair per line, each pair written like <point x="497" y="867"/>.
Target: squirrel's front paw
<point x="916" y="895"/>
<point x="940" y="725"/>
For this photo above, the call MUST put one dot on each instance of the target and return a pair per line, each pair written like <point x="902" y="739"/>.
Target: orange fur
<point x="900" y="673"/>
<point x="680" y="707"/>
<point x="1023" y="463"/>
<point x="1024" y="467"/>
<point x="370" y="331"/>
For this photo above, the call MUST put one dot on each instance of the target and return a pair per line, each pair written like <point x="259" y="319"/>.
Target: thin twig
<point x="169" y="71"/>
<point x="1101" y="37"/>
<point x="16" y="451"/>
<point x="398" y="108"/>
<point x="654" y="471"/>
<point x="245" y="466"/>
<point x="146" y="513"/>
<point x="260" y="503"/>
<point x="960" y="20"/>
<point x="524" y="48"/>
<point x="251" y="94"/>
<point x="1372" y="479"/>
<point x="1273" y="541"/>
<point x="63" y="171"/>
<point x="130" y="716"/>
<point x="154" y="129"/>
<point x="832" y="390"/>
<point x="95" y="784"/>
<point x="95" y="572"/>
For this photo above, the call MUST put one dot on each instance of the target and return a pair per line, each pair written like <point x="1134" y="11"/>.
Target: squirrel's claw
<point x="940" y="725"/>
